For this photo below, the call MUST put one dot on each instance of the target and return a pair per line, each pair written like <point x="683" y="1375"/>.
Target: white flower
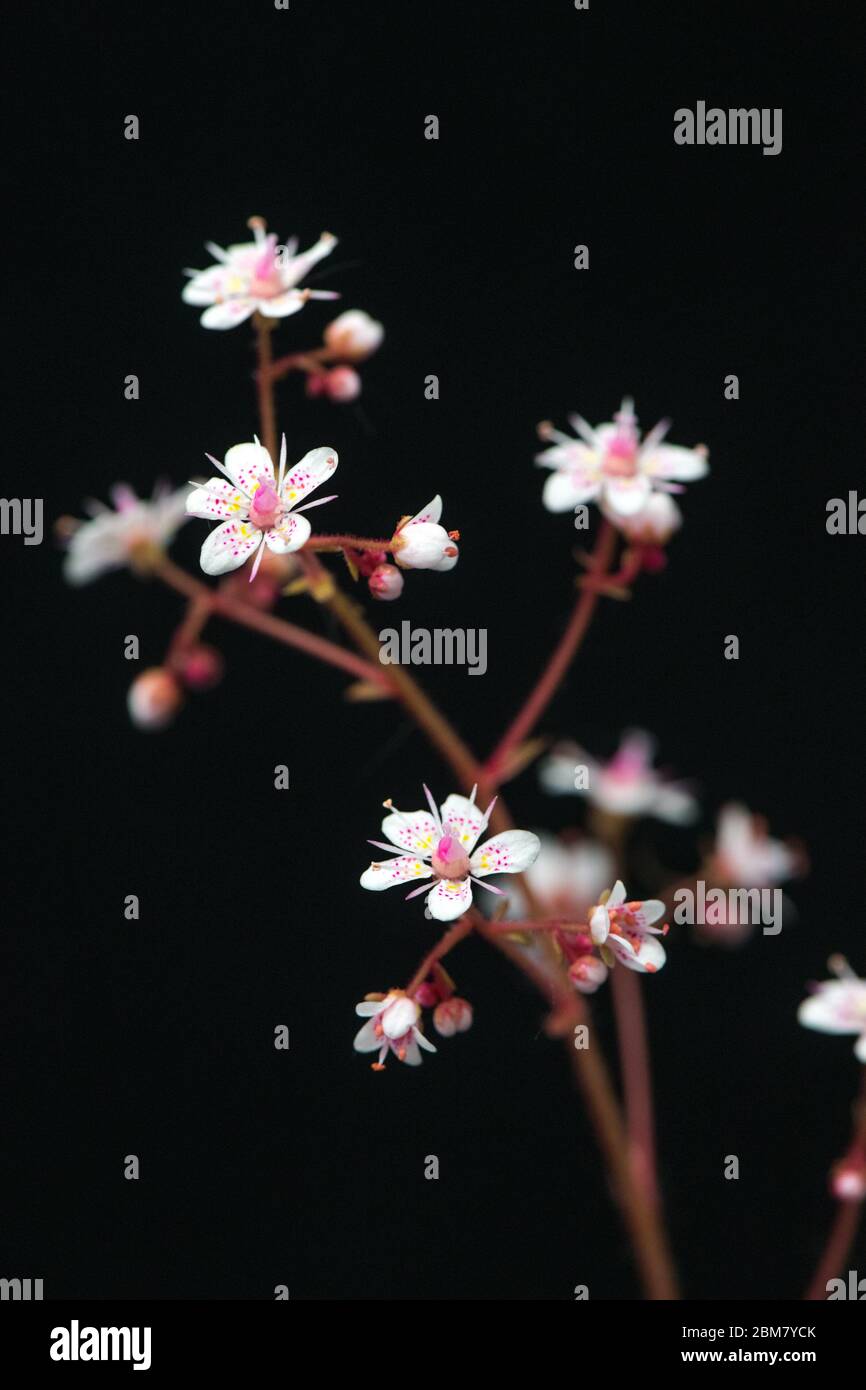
<point x="611" y="465"/>
<point x="111" y="539"/>
<point x="259" y="510"/>
<point x="566" y="878"/>
<point x="353" y="335"/>
<point x="838" y="1006"/>
<point x="255" y="276"/>
<point x="420" y="543"/>
<point x="391" y="1027"/>
<point x="442" y="846"/>
<point x="628" y="785"/>
<point x="654" y="524"/>
<point x="627" y="929"/>
<point x="744" y="853"/>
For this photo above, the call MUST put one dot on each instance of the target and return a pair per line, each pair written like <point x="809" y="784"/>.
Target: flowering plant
<point x="558" y="909"/>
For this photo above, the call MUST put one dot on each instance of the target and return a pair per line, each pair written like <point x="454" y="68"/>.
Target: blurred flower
<point x="838" y="1006"/>
<point x="452" y="1016"/>
<point x="567" y="878"/>
<point x="259" y="509"/>
<point x="391" y="1027"/>
<point x="627" y="929"/>
<point x="420" y="543"/>
<point x="199" y="667"/>
<point x="654" y="524"/>
<point x="745" y="856"/>
<point x="587" y="973"/>
<point x="353" y="336"/>
<point x="628" y="785"/>
<point x="442" y="845"/>
<point x="154" y="699"/>
<point x="255" y="276"/>
<point x="134" y="534"/>
<point x="611" y="465"/>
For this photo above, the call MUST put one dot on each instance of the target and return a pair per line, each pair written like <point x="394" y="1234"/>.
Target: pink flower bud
<point x="452" y="1016"/>
<point x="353" y="335"/>
<point x="367" y="561"/>
<point x="427" y="995"/>
<point x="154" y="698"/>
<point x="201" y="667"/>
<point x="343" y="384"/>
<point x="587" y="973"/>
<point x="316" y="384"/>
<point x="386" y="582"/>
<point x="848" y="1178"/>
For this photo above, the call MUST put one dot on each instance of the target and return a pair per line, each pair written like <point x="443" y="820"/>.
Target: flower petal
<point x="229" y="546"/>
<point x="218" y="499"/>
<point x="204" y="287"/>
<point x="648" y="957"/>
<point x="465" y="819"/>
<point x="508" y="853"/>
<point x="627" y="496"/>
<point x="449" y="899"/>
<point x="389" y="872"/>
<point x="432" y="512"/>
<point x="313" y="470"/>
<point x="617" y="894"/>
<point x="280" y="306"/>
<point x="674" y="463"/>
<point x="367" y="1039"/>
<point x="289" y="534"/>
<point x="228" y="314"/>
<point x="564" y="491"/>
<point x="414" y="830"/>
<point x="247" y="464"/>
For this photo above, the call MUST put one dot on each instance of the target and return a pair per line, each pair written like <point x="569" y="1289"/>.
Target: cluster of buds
<point x="394" y="1020"/>
<point x="347" y="342"/>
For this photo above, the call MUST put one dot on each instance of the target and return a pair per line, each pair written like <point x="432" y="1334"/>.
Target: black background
<point x="155" y="1038"/>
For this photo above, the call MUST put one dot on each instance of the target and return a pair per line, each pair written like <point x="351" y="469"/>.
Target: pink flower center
<point x="450" y="859"/>
<point x="266" y="283"/>
<point x="266" y="507"/>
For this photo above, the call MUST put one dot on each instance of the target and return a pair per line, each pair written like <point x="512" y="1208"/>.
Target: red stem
<point x="554" y="672"/>
<point x="636" y="1076"/>
<point x="291" y="636"/>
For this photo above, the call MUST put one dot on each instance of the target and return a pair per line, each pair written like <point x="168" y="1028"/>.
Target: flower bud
<point x="154" y="698"/>
<point x="587" y="973"/>
<point x="427" y="995"/>
<point x="452" y="1016"/>
<point x="399" y="1016"/>
<point x="654" y="524"/>
<point x="200" y="667"/>
<point x="353" y="336"/>
<point x="424" y="545"/>
<point x="848" y="1178"/>
<point x="316" y="384"/>
<point x="342" y="384"/>
<point x="386" y="583"/>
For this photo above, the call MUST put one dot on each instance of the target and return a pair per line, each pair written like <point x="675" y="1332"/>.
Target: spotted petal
<point x="449" y="899"/>
<point x="645" y="954"/>
<point x="414" y="830"/>
<point x="229" y="546"/>
<point x="432" y="512"/>
<point x="289" y="534"/>
<point x="465" y="819"/>
<point x="508" y="853"/>
<point x="388" y="873"/>
<point x="247" y="464"/>
<point x="313" y="469"/>
<point x="218" y="499"/>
